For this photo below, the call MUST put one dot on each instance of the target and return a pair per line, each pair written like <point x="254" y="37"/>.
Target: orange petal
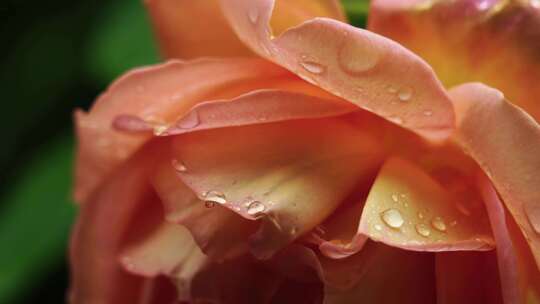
<point x="189" y="29"/>
<point x="100" y="234"/>
<point x="494" y="42"/>
<point x="362" y="67"/>
<point x="407" y="208"/>
<point x="509" y="152"/>
<point x="467" y="277"/>
<point x="291" y="174"/>
<point x="160" y="94"/>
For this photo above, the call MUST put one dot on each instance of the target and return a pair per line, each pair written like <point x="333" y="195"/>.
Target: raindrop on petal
<point x="255" y="208"/>
<point x="178" y="165"/>
<point x="438" y="223"/>
<point x="312" y="67"/>
<point x="405" y="93"/>
<point x="392" y="218"/>
<point x="253" y="15"/>
<point x="422" y="230"/>
<point x="216" y="197"/>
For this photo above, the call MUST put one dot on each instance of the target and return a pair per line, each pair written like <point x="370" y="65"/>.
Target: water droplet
<point x="216" y="197"/>
<point x="391" y="89"/>
<point x="178" y="165"/>
<point x="358" y="54"/>
<point x="160" y="129"/>
<point x="533" y="215"/>
<point x="453" y="223"/>
<point x="312" y="67"/>
<point x="392" y="218"/>
<point x="438" y="223"/>
<point x="209" y="204"/>
<point x="428" y="113"/>
<point x="405" y="94"/>
<point x="255" y="208"/>
<point x="253" y="15"/>
<point x="190" y="121"/>
<point x="395" y="120"/>
<point x="422" y="230"/>
<point x="294" y="230"/>
<point x="395" y="198"/>
<point x="464" y="210"/>
<point x="420" y="215"/>
<point x="377" y="227"/>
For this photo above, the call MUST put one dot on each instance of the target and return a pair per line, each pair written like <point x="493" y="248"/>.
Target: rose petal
<point x="471" y="40"/>
<point x="219" y="232"/>
<point x="240" y="281"/>
<point x="362" y="67"/>
<point x="100" y="234"/>
<point x="169" y="250"/>
<point x="506" y="253"/>
<point x="407" y="208"/>
<point x="159" y="95"/>
<point x="263" y="106"/>
<point x="177" y="24"/>
<point x="467" y="277"/>
<point x="384" y="275"/>
<point x="509" y="152"/>
<point x="292" y="174"/>
<point x="189" y="29"/>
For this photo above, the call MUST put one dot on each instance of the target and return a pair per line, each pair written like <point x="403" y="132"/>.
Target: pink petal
<point x="407" y="208"/>
<point x="100" y="234"/>
<point x="275" y="172"/>
<point x="219" y="232"/>
<point x="506" y="254"/>
<point x="357" y="65"/>
<point x="159" y="95"/>
<point x="509" y="152"/>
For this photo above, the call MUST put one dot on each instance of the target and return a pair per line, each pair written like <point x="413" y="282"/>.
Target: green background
<point x="57" y="56"/>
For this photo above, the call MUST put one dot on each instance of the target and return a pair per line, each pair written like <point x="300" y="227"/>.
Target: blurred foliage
<point x="58" y="55"/>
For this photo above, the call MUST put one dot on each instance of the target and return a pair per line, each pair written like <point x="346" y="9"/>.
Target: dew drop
<point x="312" y="67"/>
<point x="358" y="55"/>
<point x="190" y="121"/>
<point x="420" y="215"/>
<point x="395" y="198"/>
<point x="395" y="120"/>
<point x="216" y="197"/>
<point x="160" y="129"/>
<point x="392" y="218"/>
<point x="453" y="223"/>
<point x="422" y="230"/>
<point x="377" y="227"/>
<point x="178" y="165"/>
<point x="294" y="230"/>
<point x="255" y="208"/>
<point x="253" y="15"/>
<point x="533" y="215"/>
<point x="405" y="94"/>
<point x="438" y="223"/>
<point x="428" y="113"/>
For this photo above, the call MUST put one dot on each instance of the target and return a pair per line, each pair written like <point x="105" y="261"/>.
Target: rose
<point x="331" y="165"/>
